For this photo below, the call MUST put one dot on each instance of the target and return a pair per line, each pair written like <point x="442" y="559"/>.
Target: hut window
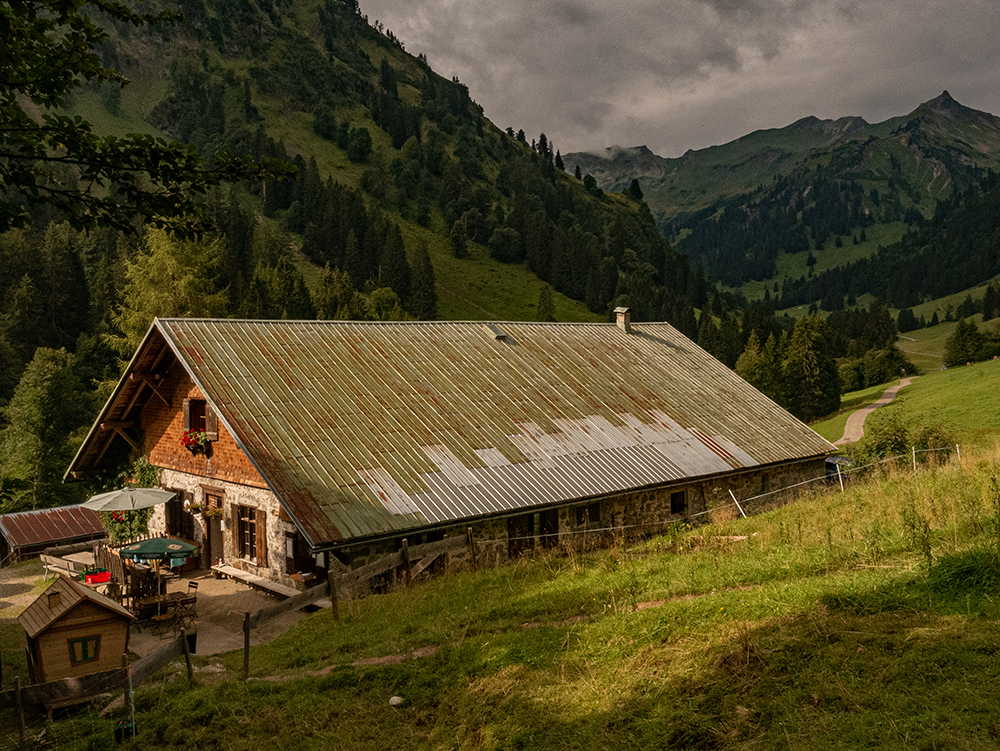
<point x="86" y="649"/>
<point x="678" y="502"/>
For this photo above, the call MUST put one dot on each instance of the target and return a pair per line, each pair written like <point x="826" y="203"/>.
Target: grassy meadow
<point x="862" y="619"/>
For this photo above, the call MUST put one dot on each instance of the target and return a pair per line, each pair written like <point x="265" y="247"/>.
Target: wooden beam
<point x="151" y="380"/>
<point x="128" y="440"/>
<point x="111" y="425"/>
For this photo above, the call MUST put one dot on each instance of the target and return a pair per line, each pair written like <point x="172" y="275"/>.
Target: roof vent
<point x="498" y="333"/>
<point x="623" y="317"/>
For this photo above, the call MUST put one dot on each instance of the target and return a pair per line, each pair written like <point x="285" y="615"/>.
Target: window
<point x="589" y="514"/>
<point x="213" y="502"/>
<point x="249" y="538"/>
<point x="199" y="416"/>
<point x="86" y="649"/>
<point x="678" y="502"/>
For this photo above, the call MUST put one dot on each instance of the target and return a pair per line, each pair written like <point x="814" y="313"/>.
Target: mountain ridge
<point x="826" y="179"/>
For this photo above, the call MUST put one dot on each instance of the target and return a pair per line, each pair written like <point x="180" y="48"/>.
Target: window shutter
<point x="261" y="537"/>
<point x="211" y="424"/>
<point x="235" y="528"/>
<point x="187" y="414"/>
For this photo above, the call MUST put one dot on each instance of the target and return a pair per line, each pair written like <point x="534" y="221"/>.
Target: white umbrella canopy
<point x="128" y="499"/>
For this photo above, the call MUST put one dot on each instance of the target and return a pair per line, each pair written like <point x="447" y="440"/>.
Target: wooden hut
<point x="73" y="631"/>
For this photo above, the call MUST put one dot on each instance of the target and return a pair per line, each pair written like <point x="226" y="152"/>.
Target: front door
<point x="213" y="539"/>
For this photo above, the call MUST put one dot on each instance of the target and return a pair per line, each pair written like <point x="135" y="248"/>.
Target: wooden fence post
<point x="125" y="696"/>
<point x="246" y="646"/>
<point x="472" y="547"/>
<point x="405" y="552"/>
<point x="331" y="583"/>
<point x="840" y="477"/>
<point x="187" y="655"/>
<point x="20" y="709"/>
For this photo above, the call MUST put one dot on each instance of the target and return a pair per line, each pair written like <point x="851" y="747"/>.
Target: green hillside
<point x="313" y="80"/>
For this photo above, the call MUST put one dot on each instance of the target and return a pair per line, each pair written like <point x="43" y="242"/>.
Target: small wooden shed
<point x="73" y="631"/>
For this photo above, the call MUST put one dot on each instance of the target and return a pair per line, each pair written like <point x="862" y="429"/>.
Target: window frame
<point x="249" y="533"/>
<point x="84" y="642"/>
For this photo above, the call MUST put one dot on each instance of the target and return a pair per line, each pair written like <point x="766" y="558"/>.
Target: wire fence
<point x="757" y="503"/>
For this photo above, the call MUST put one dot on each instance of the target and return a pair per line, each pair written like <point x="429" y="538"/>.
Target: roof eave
<point x="95" y="429"/>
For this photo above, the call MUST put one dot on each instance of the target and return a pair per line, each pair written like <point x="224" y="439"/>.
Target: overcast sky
<point x="685" y="74"/>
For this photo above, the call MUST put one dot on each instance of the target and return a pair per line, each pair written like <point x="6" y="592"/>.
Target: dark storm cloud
<point x="681" y="74"/>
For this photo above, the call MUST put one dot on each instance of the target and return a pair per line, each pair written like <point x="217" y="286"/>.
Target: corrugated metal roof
<point x="364" y="429"/>
<point x="43" y="612"/>
<point x="24" y="529"/>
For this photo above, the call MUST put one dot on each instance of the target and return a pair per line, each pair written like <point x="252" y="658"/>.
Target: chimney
<point x="623" y="317"/>
<point x="54" y="600"/>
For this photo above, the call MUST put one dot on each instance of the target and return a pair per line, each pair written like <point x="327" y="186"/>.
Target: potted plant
<point x="195" y="441"/>
<point x="213" y="512"/>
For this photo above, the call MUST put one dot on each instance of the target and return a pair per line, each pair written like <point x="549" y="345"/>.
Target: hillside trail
<point x="855" y="427"/>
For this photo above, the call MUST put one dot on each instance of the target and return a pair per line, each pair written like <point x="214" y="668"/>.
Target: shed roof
<point x="366" y="429"/>
<point x="48" y="526"/>
<point x="38" y="616"/>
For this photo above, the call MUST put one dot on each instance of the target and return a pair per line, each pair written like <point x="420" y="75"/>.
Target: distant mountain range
<point x="811" y="186"/>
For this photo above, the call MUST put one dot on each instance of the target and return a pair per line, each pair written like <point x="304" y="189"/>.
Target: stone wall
<point x="581" y="525"/>
<point x="233" y="494"/>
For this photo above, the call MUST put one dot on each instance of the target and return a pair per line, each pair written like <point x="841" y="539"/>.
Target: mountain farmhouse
<point x="300" y="445"/>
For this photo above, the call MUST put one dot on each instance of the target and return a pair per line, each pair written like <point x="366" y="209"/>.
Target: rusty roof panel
<point x="50" y="526"/>
<point x="365" y="429"/>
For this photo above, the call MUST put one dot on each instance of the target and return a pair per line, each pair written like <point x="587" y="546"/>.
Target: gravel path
<point x="855" y="427"/>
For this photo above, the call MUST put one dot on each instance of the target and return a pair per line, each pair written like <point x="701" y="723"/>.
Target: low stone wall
<point x="581" y="525"/>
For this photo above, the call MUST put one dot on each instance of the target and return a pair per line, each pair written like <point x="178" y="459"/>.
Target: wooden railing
<point x="408" y="561"/>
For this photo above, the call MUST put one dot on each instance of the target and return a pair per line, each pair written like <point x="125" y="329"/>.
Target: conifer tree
<point x="168" y="278"/>
<point x="424" y="301"/>
<point x="459" y="240"/>
<point x="394" y="271"/>
<point x="810" y="371"/>
<point x="546" y="311"/>
<point x="964" y="345"/>
<point x="353" y="264"/>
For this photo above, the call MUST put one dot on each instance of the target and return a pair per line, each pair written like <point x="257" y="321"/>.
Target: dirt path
<point x="855" y="427"/>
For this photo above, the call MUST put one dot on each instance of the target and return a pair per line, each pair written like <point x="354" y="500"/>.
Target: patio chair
<point x="187" y="609"/>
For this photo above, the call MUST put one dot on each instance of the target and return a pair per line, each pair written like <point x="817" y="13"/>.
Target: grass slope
<point x="964" y="401"/>
<point x="863" y="619"/>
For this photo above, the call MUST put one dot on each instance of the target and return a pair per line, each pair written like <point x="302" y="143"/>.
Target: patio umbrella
<point x="128" y="499"/>
<point x="156" y="548"/>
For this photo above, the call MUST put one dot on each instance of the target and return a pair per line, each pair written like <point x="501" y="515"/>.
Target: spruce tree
<point x="459" y="240"/>
<point x="424" y="300"/>
<point x="546" y="311"/>
<point x="964" y="345"/>
<point x="810" y="371"/>
<point x="394" y="271"/>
